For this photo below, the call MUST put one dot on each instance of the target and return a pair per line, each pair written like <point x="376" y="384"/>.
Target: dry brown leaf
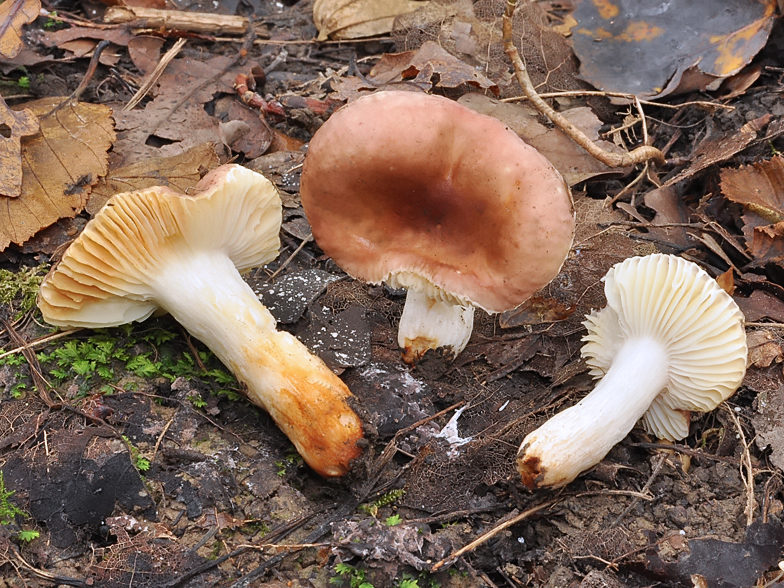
<point x="669" y="209"/>
<point x="14" y="14"/>
<point x="727" y="281"/>
<point x="59" y="165"/>
<point x="355" y="19"/>
<point x="179" y="172"/>
<point x="761" y="305"/>
<point x="574" y="163"/>
<point x="420" y="67"/>
<point x="535" y="311"/>
<point x="759" y="187"/>
<point x="718" y="148"/>
<point x="763" y="349"/>
<point x="13" y="126"/>
<point x="156" y="131"/>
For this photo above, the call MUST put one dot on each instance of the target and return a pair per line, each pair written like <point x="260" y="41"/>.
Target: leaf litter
<point x="222" y="481"/>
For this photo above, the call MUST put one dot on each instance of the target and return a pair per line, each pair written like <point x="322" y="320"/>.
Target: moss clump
<point x="18" y="290"/>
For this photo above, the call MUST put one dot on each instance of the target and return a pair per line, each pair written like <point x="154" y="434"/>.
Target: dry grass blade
<point x="154" y="75"/>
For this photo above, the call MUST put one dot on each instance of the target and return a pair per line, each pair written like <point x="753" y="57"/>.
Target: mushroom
<point x="422" y="193"/>
<point x="157" y="249"/>
<point x="669" y="341"/>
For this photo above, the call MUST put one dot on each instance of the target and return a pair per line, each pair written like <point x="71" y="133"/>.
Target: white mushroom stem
<point x="580" y="436"/>
<point x="205" y="293"/>
<point x="427" y="323"/>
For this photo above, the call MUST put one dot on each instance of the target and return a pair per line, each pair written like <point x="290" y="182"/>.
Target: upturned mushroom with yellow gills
<point x="157" y="249"/>
<point x="669" y="341"/>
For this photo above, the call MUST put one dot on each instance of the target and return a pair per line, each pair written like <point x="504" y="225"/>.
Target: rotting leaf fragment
<point x="13" y="126"/>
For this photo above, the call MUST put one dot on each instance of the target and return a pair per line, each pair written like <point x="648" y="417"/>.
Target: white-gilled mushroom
<point x="422" y="193"/>
<point x="669" y="341"/>
<point x="157" y="249"/>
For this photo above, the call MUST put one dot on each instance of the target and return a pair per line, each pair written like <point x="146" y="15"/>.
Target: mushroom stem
<point x="205" y="293"/>
<point x="427" y="323"/>
<point x="579" y="437"/>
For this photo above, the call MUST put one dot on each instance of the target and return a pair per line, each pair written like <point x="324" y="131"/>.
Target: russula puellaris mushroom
<point x="422" y="193"/>
<point x="669" y="341"/>
<point x="157" y="249"/>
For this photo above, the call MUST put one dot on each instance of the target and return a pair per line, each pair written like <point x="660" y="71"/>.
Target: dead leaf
<point x="428" y="66"/>
<point x="13" y="126"/>
<point x="355" y="19"/>
<point x="259" y="136"/>
<point x="574" y="163"/>
<point x="180" y="172"/>
<point x="14" y="14"/>
<point x="763" y="349"/>
<point x="117" y="36"/>
<point x="670" y="209"/>
<point x="59" y="165"/>
<point x="759" y="187"/>
<point x="649" y="53"/>
<point x="761" y="305"/>
<point x="535" y="311"/>
<point x="160" y="131"/>
<point x="724" y="564"/>
<point x="727" y="281"/>
<point x="145" y="52"/>
<point x="54" y="237"/>
<point x="720" y="147"/>
<point x="768" y="420"/>
<point x="737" y="85"/>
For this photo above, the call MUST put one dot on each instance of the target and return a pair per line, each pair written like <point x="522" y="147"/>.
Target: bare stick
<point x="745" y="462"/>
<point x="698" y="103"/>
<point x="42" y="341"/>
<point x="639" y="155"/>
<point x="492" y="533"/>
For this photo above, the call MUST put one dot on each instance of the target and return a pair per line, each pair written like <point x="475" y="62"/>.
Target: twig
<point x="656" y="469"/>
<point x="154" y="75"/>
<point x="745" y="462"/>
<point x="282" y="546"/>
<point x="291" y="257"/>
<point x="492" y="533"/>
<point x="698" y="103"/>
<point x="684" y="450"/>
<point x="628" y="187"/>
<point x="35" y="368"/>
<point x="85" y="80"/>
<point x="41" y="341"/>
<point x="160" y="438"/>
<point x="638" y="155"/>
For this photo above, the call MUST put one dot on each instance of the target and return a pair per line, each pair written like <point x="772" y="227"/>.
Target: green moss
<point x="19" y="289"/>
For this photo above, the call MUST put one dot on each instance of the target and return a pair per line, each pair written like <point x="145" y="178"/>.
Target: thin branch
<point x="697" y="103"/>
<point x="492" y="533"/>
<point x="638" y="155"/>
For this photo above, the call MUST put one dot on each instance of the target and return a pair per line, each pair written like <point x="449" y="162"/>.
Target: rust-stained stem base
<point x="431" y="324"/>
<point x="638" y="155"/>
<point x="207" y="295"/>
